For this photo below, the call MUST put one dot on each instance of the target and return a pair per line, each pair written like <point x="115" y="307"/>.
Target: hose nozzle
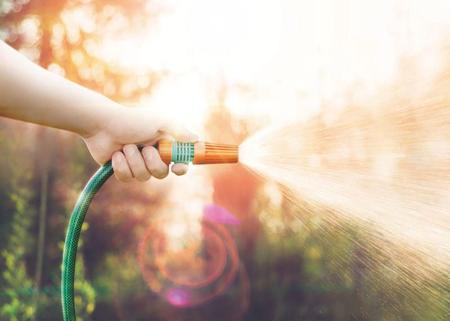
<point x="197" y="153"/>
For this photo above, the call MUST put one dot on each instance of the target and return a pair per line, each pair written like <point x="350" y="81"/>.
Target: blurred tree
<point x="64" y="36"/>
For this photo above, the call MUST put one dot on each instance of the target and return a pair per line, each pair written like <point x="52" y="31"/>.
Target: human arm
<point x="111" y="131"/>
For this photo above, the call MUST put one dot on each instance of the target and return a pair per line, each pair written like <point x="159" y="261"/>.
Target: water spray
<point x="170" y="152"/>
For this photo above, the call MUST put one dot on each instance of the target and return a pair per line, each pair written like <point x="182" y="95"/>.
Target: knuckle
<point x="147" y="149"/>
<point x="148" y="153"/>
<point x="117" y="160"/>
<point x="130" y="150"/>
<point x="120" y="167"/>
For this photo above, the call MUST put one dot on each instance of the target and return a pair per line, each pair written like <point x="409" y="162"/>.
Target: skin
<point x="111" y="131"/>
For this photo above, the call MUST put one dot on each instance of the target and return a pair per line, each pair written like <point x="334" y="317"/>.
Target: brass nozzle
<point x="197" y="153"/>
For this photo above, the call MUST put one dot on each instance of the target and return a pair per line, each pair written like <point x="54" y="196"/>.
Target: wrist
<point x="102" y="117"/>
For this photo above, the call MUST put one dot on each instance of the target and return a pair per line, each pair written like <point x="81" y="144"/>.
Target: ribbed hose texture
<point x="182" y="152"/>
<point x="72" y="237"/>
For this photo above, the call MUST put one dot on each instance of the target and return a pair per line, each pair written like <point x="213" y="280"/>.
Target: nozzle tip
<point x="197" y="153"/>
<point x="211" y="153"/>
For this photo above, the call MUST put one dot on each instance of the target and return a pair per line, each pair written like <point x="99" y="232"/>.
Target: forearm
<point x="33" y="94"/>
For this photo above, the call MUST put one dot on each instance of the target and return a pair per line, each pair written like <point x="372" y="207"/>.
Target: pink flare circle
<point x="217" y="214"/>
<point x="215" y="249"/>
<point x="157" y="279"/>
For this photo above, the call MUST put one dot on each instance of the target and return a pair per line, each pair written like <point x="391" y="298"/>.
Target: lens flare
<point x="198" y="269"/>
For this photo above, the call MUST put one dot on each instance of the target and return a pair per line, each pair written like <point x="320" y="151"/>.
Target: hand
<point x="110" y="131"/>
<point x="118" y="136"/>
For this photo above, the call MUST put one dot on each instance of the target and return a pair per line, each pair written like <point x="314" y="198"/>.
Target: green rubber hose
<point x="181" y="153"/>
<point x="72" y="237"/>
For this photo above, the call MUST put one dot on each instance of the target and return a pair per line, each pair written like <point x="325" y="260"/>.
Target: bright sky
<point x="279" y="58"/>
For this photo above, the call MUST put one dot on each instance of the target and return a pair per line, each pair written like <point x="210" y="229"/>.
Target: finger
<point x="154" y="163"/>
<point x="121" y="169"/>
<point x="136" y="162"/>
<point x="179" y="169"/>
<point x="185" y="136"/>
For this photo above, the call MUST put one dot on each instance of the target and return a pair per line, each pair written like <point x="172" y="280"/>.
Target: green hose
<point x="72" y="237"/>
<point x="181" y="153"/>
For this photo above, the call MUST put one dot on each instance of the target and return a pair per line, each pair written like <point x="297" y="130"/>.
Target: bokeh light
<point x="199" y="269"/>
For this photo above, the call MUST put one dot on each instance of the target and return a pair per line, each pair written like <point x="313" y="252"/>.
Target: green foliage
<point x="16" y="303"/>
<point x="5" y="6"/>
<point x="84" y="292"/>
<point x="308" y="270"/>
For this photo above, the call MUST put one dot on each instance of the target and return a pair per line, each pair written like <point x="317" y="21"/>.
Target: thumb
<point x="177" y="131"/>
